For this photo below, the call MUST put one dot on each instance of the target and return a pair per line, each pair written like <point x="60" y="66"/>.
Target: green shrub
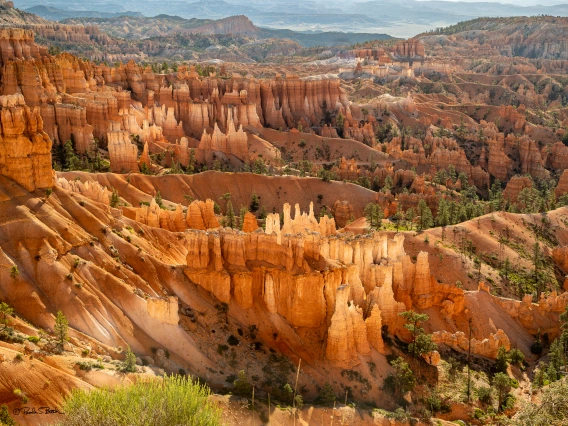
<point x="129" y="365"/>
<point x="20" y="394"/>
<point x="327" y="395"/>
<point x="536" y="347"/>
<point x="175" y="400"/>
<point x="484" y="395"/>
<point x="33" y="339"/>
<point x="5" y="418"/>
<point x="242" y="384"/>
<point x="516" y="357"/>
<point x="14" y="271"/>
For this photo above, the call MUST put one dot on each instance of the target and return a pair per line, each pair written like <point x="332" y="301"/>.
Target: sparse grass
<point x="175" y="400"/>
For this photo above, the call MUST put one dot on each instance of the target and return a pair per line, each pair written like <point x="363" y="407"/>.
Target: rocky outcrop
<point x="232" y="25"/>
<point x="534" y="317"/>
<point x="374" y="330"/>
<point x="250" y="223"/>
<point x="122" y="152"/>
<point x="25" y="149"/>
<point x="562" y="187"/>
<point x="232" y="143"/>
<point x="515" y="186"/>
<point x="341" y="347"/>
<point x="199" y="215"/>
<point x="488" y="347"/>
<point x="89" y="189"/>
<point x="409" y="49"/>
<point x="342" y="213"/>
<point x="16" y="43"/>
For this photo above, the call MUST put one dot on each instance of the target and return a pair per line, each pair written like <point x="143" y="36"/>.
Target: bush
<point x="242" y="384"/>
<point x="33" y="339"/>
<point x="174" y="400"/>
<point x="484" y="395"/>
<point x="129" y="365"/>
<point x="550" y="409"/>
<point x="14" y="271"/>
<point x="516" y="357"/>
<point x="327" y="395"/>
<point x="5" y="418"/>
<point x="536" y="347"/>
<point x="502" y="360"/>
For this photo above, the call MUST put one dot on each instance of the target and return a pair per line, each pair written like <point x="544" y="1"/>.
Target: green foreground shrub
<point x="175" y="400"/>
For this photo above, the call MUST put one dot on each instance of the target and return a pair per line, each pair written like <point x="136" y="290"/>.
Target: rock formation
<point x="515" y="186"/>
<point x="25" y="149"/>
<point x="90" y="189"/>
<point x="488" y="347"/>
<point x="122" y="152"/>
<point x="250" y="223"/>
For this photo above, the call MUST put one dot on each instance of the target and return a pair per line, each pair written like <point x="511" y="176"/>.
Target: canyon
<point x="283" y="219"/>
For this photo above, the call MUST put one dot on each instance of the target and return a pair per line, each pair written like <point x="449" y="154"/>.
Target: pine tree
<point x="443" y="216"/>
<point x="61" y="330"/>
<point x="410" y="215"/>
<point x="421" y="342"/>
<point x="425" y="215"/>
<point x="502" y="383"/>
<point x="114" y="198"/>
<point x="502" y="360"/>
<point x="374" y="215"/>
<point x="231" y="221"/>
<point x="5" y="312"/>
<point x="225" y="197"/>
<point x="255" y="202"/>
<point x="404" y="380"/>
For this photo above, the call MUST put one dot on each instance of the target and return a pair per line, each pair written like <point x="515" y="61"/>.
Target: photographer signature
<point x="32" y="410"/>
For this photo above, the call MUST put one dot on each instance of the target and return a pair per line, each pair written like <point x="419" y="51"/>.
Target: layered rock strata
<point x="25" y="149"/>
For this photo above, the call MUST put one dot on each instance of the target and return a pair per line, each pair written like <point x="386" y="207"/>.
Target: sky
<point x="515" y="2"/>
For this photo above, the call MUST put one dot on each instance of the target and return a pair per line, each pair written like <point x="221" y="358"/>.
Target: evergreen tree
<point x="231" y="220"/>
<point x="421" y="342"/>
<point x="158" y="199"/>
<point x="410" y="216"/>
<point x="242" y="384"/>
<point x="114" y="198"/>
<point x="225" y="197"/>
<point x="404" y="380"/>
<point x="5" y="312"/>
<point x="502" y="384"/>
<point x="254" y="202"/>
<point x="426" y="219"/>
<point x="443" y="216"/>
<point x="374" y="215"/>
<point x="61" y="330"/>
<point x="502" y="360"/>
